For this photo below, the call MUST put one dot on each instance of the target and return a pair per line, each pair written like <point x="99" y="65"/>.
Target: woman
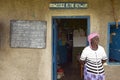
<point x="93" y="57"/>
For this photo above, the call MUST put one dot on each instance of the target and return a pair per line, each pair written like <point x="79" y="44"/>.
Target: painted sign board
<point x="28" y="33"/>
<point x="68" y="5"/>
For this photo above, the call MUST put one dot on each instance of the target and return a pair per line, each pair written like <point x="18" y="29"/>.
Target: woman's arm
<point x="82" y="62"/>
<point x="103" y="61"/>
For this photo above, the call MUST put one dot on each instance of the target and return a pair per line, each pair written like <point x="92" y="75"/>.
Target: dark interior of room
<point x="67" y="53"/>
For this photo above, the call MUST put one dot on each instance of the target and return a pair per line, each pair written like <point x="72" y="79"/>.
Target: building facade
<point x="36" y="64"/>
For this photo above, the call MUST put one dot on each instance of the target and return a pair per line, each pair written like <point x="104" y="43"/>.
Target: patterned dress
<point x="93" y="68"/>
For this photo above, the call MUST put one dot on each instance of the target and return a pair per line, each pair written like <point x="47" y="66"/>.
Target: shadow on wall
<point x="2" y="34"/>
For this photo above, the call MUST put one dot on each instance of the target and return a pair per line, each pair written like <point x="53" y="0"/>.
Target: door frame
<point x="54" y="65"/>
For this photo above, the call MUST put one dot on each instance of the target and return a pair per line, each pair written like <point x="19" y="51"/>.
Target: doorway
<point x="69" y="38"/>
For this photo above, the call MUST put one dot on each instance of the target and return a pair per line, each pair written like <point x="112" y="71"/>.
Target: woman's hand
<point x="103" y="61"/>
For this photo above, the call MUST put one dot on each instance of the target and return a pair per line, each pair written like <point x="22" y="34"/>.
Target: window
<point x="114" y="44"/>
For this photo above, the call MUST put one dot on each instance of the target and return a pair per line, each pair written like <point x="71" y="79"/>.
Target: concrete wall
<point x="23" y="63"/>
<point x="36" y="64"/>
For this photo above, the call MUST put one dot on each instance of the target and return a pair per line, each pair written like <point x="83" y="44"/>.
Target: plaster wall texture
<point x="36" y="64"/>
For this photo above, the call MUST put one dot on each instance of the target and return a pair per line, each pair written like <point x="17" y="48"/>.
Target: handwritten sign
<point x="28" y="34"/>
<point x="68" y="5"/>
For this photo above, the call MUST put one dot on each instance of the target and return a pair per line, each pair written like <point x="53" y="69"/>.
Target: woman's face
<point x="95" y="40"/>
